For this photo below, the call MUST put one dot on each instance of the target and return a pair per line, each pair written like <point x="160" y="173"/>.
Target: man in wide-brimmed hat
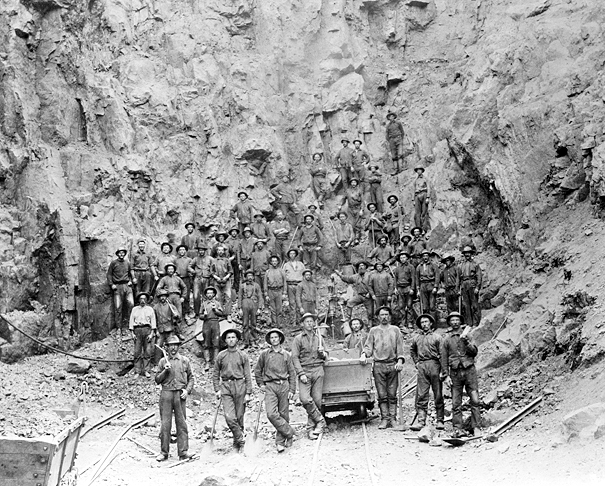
<point x="260" y="228"/>
<point x="395" y="134"/>
<point x="165" y="257"/>
<point x="281" y="231"/>
<point x="345" y="237"/>
<point x="394" y="216"/>
<point x="276" y="287"/>
<point x="307" y="296"/>
<point x="232" y="382"/>
<point x="176" y="378"/>
<point x="142" y="264"/>
<point x="425" y="352"/>
<point x="260" y="264"/>
<point x="183" y="263"/>
<point x="373" y="224"/>
<point x="293" y="269"/>
<point x="233" y="246"/>
<point x="119" y="279"/>
<point x="381" y="285"/>
<point x="360" y="160"/>
<point x="471" y="279"/>
<point x="309" y="356"/>
<point x="344" y="158"/>
<point x="427" y="278"/>
<point x="360" y="282"/>
<point x="458" y="354"/>
<point x="417" y="245"/>
<point x="385" y="345"/>
<point x="250" y="302"/>
<point x="286" y="200"/>
<point x="243" y="211"/>
<point x="142" y="325"/>
<point x="190" y="239"/>
<point x="220" y="240"/>
<point x="212" y="312"/>
<point x="167" y="321"/>
<point x="311" y="241"/>
<point x="319" y="183"/>
<point x="422" y="197"/>
<point x="449" y="282"/>
<point x="276" y="377"/>
<point x="353" y="198"/>
<point x="201" y="268"/>
<point x="175" y="287"/>
<point x="374" y="179"/>
<point x="222" y="273"/>
<point x="405" y="287"/>
<point x="383" y="252"/>
<point x="245" y="249"/>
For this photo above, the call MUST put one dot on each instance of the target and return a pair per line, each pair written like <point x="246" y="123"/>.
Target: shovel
<point x="254" y="448"/>
<point x="209" y="447"/>
<point x="455" y="441"/>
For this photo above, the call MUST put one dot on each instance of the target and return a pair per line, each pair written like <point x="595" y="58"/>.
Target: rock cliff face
<point x="126" y="118"/>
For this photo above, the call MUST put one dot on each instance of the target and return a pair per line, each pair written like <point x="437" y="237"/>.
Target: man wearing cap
<point x="385" y="344"/>
<point x="361" y="288"/>
<point x="374" y="179"/>
<point x="201" y="268"/>
<point x="167" y="321"/>
<point x="275" y="284"/>
<point x="233" y="384"/>
<point x="395" y="133"/>
<point x="317" y="217"/>
<point x="425" y="352"/>
<point x="175" y="287"/>
<point x="233" y="245"/>
<point x="190" y="239"/>
<point x="373" y="224"/>
<point x="183" y="262"/>
<point x="449" y="282"/>
<point x="176" y="379"/>
<point x="293" y="269"/>
<point x="458" y="354"/>
<point x="309" y="356"/>
<point x="422" y="198"/>
<point x="212" y="313"/>
<point x="394" y="216"/>
<point x="221" y="240"/>
<point x="119" y="275"/>
<point x="243" y="211"/>
<point x="471" y="279"/>
<point x="359" y="161"/>
<point x="281" y="231"/>
<point x="164" y="258"/>
<point x="259" y="264"/>
<point x="222" y="271"/>
<point x="345" y="237"/>
<point x="318" y="179"/>
<point x="383" y="253"/>
<point x="285" y="198"/>
<point x="381" y="286"/>
<point x="142" y="266"/>
<point x="250" y="301"/>
<point x="344" y="159"/>
<point x="353" y="198"/>
<point x="276" y="377"/>
<point x="405" y="286"/>
<point x="260" y="229"/>
<point x="246" y="248"/>
<point x="427" y="276"/>
<point x="417" y="245"/>
<point x="307" y="297"/>
<point x="311" y="241"/>
<point x="143" y="328"/>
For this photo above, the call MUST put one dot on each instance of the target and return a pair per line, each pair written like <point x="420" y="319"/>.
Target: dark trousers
<point x="259" y="278"/>
<point x="465" y="378"/>
<point x="277" y="407"/>
<point x="428" y="378"/>
<point x="235" y="268"/>
<point x="309" y="306"/>
<point x="249" y="308"/>
<point x="427" y="297"/>
<point x="310" y="394"/>
<point x="344" y="177"/>
<point x="386" y="379"/>
<point x="396" y="147"/>
<point x="123" y="302"/>
<point x="281" y="248"/>
<point x="211" y="331"/>
<point x="234" y="407"/>
<point x="421" y="211"/>
<point x="381" y="301"/>
<point x="344" y="254"/>
<point x="309" y="256"/>
<point x="175" y="300"/>
<point x="404" y="302"/>
<point x="275" y="303"/>
<point x="143" y="349"/>
<point x="200" y="284"/>
<point x="225" y="296"/>
<point x="292" y="299"/>
<point x="144" y="281"/>
<point x="375" y="195"/>
<point x="394" y="238"/>
<point x="470" y="303"/>
<point x="171" y="401"/>
<point x="359" y="299"/>
<point x="188" y="281"/>
<point x="451" y="300"/>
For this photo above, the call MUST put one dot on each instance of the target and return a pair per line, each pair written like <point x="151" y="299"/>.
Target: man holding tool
<point x="143" y="328"/>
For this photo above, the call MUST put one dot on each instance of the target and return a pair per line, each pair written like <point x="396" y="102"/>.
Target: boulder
<point x="489" y="326"/>
<point x="517" y="298"/>
<point x="346" y="93"/>
<point x="78" y="366"/>
<point x="586" y="422"/>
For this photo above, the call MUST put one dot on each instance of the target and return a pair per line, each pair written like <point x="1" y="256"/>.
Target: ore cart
<point x="348" y="386"/>
<point x="43" y="461"/>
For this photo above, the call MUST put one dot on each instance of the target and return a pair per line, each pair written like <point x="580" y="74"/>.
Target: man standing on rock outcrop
<point x="143" y="328"/>
<point x="119" y="279"/>
<point x="143" y="270"/>
<point x="422" y="197"/>
<point x="361" y="287"/>
<point x="311" y="241"/>
<point x="395" y="135"/>
<point x="190" y="240"/>
<point x="427" y="277"/>
<point x="243" y="211"/>
<point x="449" y="282"/>
<point x="175" y="287"/>
<point x="285" y="199"/>
<point x="344" y="159"/>
<point x="281" y="232"/>
<point x="471" y="279"/>
<point x="183" y="262"/>
<point x="164" y="258"/>
<point x="354" y="199"/>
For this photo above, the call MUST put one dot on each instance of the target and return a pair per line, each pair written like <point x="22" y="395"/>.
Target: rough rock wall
<point x="126" y="118"/>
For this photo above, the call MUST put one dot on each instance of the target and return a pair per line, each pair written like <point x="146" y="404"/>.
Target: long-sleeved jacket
<point x="471" y="271"/>
<point x="427" y="273"/>
<point x="246" y="247"/>
<point x="232" y="364"/>
<point x="405" y="276"/>
<point x="250" y="291"/>
<point x="222" y="270"/>
<point x="359" y="158"/>
<point x="306" y="291"/>
<point x="394" y="130"/>
<point x="178" y="377"/>
<point x="417" y="245"/>
<point x="243" y="211"/>
<point x="162" y="260"/>
<point x="294" y="271"/>
<point x="311" y="235"/>
<point x="190" y="240"/>
<point x="279" y="227"/>
<point x="382" y="254"/>
<point x="284" y="193"/>
<point x="260" y="261"/>
<point x="381" y="284"/>
<point x="356" y="340"/>
<point x="374" y="178"/>
<point x="118" y="272"/>
<point x="456" y="352"/>
<point x="344" y="157"/>
<point x="384" y="344"/>
<point x="360" y="284"/>
<point x="425" y="347"/>
<point x="165" y="316"/>
<point x="305" y="352"/>
<point x="142" y="316"/>
<point x="353" y="197"/>
<point x="421" y="185"/>
<point x="141" y="260"/>
<point x="212" y="310"/>
<point x="396" y="215"/>
<point x="374" y="222"/>
<point x="260" y="230"/>
<point x="201" y="266"/>
<point x="318" y="221"/>
<point x="450" y="278"/>
<point x="275" y="366"/>
<point x="182" y="266"/>
<point x="172" y="284"/>
<point x="275" y="279"/>
<point x="344" y="232"/>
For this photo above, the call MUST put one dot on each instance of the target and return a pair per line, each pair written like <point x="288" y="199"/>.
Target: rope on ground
<point x="368" y="456"/>
<point x="66" y="353"/>
<point x="315" y="458"/>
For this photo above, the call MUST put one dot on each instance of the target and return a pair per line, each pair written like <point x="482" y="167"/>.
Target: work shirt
<point x="243" y="211"/>
<point x="164" y="316"/>
<point x="396" y="213"/>
<point x="275" y="279"/>
<point x="141" y="261"/>
<point x="306" y="291"/>
<point x="233" y="246"/>
<point x="374" y="177"/>
<point x="344" y="157"/>
<point x="275" y="366"/>
<point x="394" y="130"/>
<point x="374" y="222"/>
<point x="222" y="270"/>
<point x="310" y="235"/>
<point x="405" y="275"/>
<point x="420" y="185"/>
<point x="360" y="284"/>
<point x="354" y="198"/>
<point x="381" y="284"/>
<point x="118" y="272"/>
<point x="212" y="310"/>
<point x="318" y="221"/>
<point x="382" y="254"/>
<point x="456" y="353"/>
<point x="216" y="245"/>
<point x="417" y="245"/>
<point x="359" y="158"/>
<point x="162" y="260"/>
<point x="294" y="271"/>
<point x="427" y="273"/>
<point x="182" y="266"/>
<point x="284" y="193"/>
<point x="260" y="261"/>
<point x="305" y="353"/>
<point x="250" y="291"/>
<point x="173" y="284"/>
<point x="356" y="340"/>
<point x="142" y="316"/>
<point x="260" y="230"/>
<point x="201" y="266"/>
<point x="190" y="240"/>
<point x="344" y="232"/>
<point x="471" y="271"/>
<point x="450" y="278"/>
<point x="178" y="377"/>
<point x="281" y="225"/>
<point x="246" y="248"/>
<point x="231" y="364"/>
<point x="425" y="346"/>
<point x="384" y="344"/>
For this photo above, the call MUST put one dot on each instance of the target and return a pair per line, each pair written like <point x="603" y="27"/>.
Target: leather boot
<point x="384" y="414"/>
<point x="392" y="414"/>
<point x="207" y="359"/>
<point x="420" y="421"/>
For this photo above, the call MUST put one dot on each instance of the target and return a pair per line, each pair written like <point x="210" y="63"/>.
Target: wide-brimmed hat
<point x="141" y="240"/>
<point x="432" y="319"/>
<point x="210" y="288"/>
<point x="201" y="246"/>
<point x="146" y="294"/>
<point x="247" y="228"/>
<point x="312" y="205"/>
<point x="390" y="113"/>
<point x="359" y="263"/>
<point x="467" y="249"/>
<point x="259" y="241"/>
<point x="341" y="212"/>
<point x="419" y="167"/>
<point x="258" y="213"/>
<point x="307" y="270"/>
<point x="425" y="251"/>
<point x="120" y="249"/>
<point x="219" y="233"/>
<point x="409" y="237"/>
<point x="354" y="179"/>
<point x="317" y="153"/>
<point x="290" y="250"/>
<point x="454" y="314"/>
<point x="233" y="330"/>
<point x="248" y="272"/>
<point x="345" y="140"/>
<point x="242" y="192"/>
<point x="275" y="256"/>
<point x="308" y="314"/>
<point x="282" y="337"/>
<point x="182" y="246"/>
<point x="447" y="257"/>
<point x="372" y="204"/>
<point x="357" y="140"/>
<point x="406" y="253"/>
<point x="169" y="265"/>
<point x="164" y="244"/>
<point x="234" y="229"/>
<point x="172" y="340"/>
<point x="391" y="196"/>
<point x="189" y="223"/>
<point x="386" y="238"/>
<point x="416" y="228"/>
<point x="309" y="216"/>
